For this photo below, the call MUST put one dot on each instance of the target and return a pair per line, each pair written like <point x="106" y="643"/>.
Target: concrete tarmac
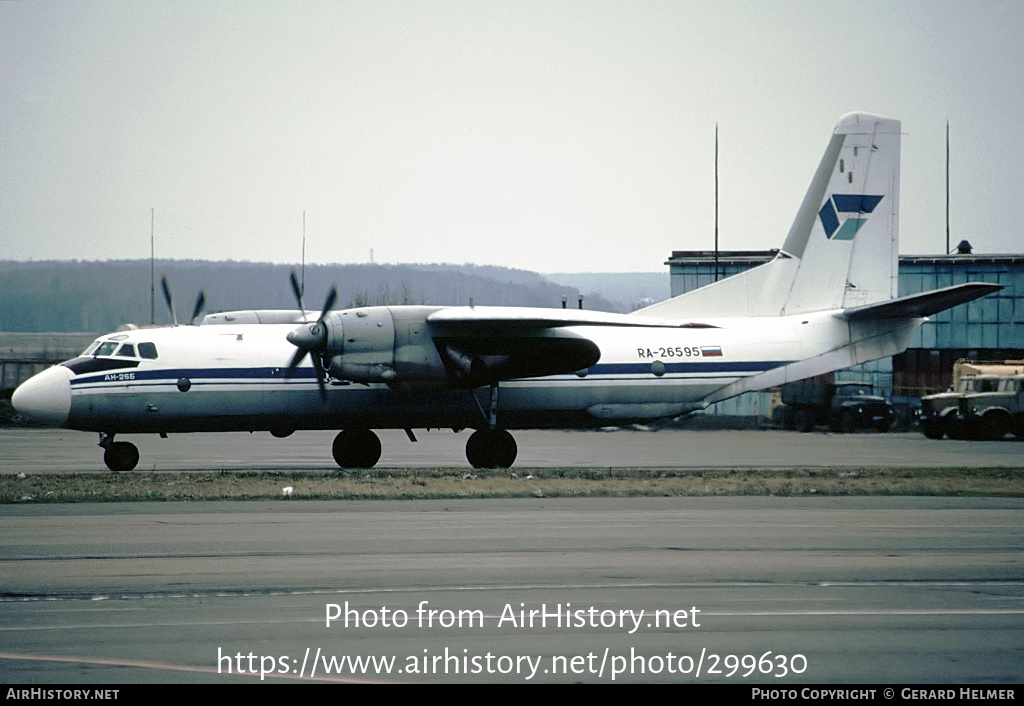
<point x="771" y="591"/>
<point x="64" y="451"/>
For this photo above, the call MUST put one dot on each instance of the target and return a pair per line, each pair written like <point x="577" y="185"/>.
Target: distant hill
<point x="633" y="289"/>
<point x="97" y="297"/>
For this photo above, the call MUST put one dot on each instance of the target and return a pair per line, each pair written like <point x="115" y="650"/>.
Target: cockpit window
<point x="147" y="350"/>
<point x="92" y="347"/>
<point x="106" y="348"/>
<point x="127" y="350"/>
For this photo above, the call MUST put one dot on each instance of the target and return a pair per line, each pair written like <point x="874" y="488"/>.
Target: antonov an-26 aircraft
<point x="827" y="301"/>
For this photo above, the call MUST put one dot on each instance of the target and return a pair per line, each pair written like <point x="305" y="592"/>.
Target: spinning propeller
<point x="300" y="292"/>
<point x="200" y="302"/>
<point x="311" y="338"/>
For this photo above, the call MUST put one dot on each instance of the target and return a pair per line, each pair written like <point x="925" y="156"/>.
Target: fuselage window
<point x="147" y="350"/>
<point x="126" y="351"/>
<point x="106" y="348"/>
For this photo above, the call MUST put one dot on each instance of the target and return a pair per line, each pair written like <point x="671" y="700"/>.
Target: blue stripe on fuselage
<point x="169" y="375"/>
<point x="754" y="366"/>
<point x="282" y="374"/>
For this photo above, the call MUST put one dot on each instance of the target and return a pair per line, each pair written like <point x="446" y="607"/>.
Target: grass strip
<point x="400" y="483"/>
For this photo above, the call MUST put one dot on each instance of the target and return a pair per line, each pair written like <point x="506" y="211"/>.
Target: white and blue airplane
<point x="827" y="301"/>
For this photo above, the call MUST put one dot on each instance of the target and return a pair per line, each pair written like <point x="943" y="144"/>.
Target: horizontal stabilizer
<point x="917" y="306"/>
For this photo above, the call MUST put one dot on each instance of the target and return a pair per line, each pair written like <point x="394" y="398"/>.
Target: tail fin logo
<point x="842" y="204"/>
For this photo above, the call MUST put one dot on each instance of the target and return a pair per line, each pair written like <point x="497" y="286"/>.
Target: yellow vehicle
<point x="986" y="403"/>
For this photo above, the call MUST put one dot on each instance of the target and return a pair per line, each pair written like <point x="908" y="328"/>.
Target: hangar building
<point x="990" y="328"/>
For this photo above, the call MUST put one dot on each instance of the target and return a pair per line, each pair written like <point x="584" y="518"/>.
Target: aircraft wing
<point x="916" y="306"/>
<point x="470" y="319"/>
<point x="484" y="345"/>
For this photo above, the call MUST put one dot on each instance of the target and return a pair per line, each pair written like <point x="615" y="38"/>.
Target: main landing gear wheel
<point x="356" y="448"/>
<point x="121" y="456"/>
<point x="491" y="448"/>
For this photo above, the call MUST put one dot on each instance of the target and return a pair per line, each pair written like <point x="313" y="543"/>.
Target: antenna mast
<point x="947" y="187"/>
<point x="152" y="276"/>
<point x="716" y="202"/>
<point x="303" y="287"/>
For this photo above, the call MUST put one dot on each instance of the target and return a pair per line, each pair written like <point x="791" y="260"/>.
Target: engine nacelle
<point x="380" y="344"/>
<point x="398" y="346"/>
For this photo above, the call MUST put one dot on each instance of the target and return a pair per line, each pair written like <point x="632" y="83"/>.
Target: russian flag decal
<point x="711" y="351"/>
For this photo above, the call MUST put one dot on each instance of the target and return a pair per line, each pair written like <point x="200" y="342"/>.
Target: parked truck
<point x="842" y="406"/>
<point x="940" y="412"/>
<point x="990" y="416"/>
<point x="986" y="402"/>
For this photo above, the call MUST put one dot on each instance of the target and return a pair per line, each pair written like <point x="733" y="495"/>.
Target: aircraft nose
<point x="45" y="398"/>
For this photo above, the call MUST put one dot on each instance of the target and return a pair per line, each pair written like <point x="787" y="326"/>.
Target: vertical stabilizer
<point x="842" y="249"/>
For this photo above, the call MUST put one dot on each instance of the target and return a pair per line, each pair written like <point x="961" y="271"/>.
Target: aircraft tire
<point x="121" y="456"/>
<point x="491" y="448"/>
<point x="356" y="448"/>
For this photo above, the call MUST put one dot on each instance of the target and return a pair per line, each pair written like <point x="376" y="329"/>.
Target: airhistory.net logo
<point x="840" y="204"/>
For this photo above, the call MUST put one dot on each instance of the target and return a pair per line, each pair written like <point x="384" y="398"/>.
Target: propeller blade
<point x="168" y="299"/>
<point x="297" y="290"/>
<point x="198" y="308"/>
<point x="331" y="297"/>
<point x="300" y="353"/>
<point x="321" y="376"/>
<point x="318" y="366"/>
<point x="311" y="338"/>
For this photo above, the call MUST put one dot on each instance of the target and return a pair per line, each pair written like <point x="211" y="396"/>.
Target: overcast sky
<point x="555" y="135"/>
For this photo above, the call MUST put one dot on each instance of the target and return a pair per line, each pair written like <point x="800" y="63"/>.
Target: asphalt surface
<point x="62" y="451"/>
<point x="771" y="591"/>
<point x="823" y="590"/>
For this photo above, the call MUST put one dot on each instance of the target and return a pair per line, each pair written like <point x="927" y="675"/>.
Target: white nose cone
<point x="308" y="337"/>
<point x="45" y="398"/>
